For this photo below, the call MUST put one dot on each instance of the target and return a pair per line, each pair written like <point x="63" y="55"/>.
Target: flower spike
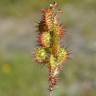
<point x="50" y="51"/>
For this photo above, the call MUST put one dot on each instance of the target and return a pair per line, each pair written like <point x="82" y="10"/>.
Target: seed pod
<point x="48" y="17"/>
<point x="55" y="49"/>
<point x="44" y="39"/>
<point x="42" y="27"/>
<point x="59" y="29"/>
<point x="40" y="55"/>
<point x="62" y="55"/>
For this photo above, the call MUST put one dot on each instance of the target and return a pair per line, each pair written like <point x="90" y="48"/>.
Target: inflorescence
<point x="50" y="51"/>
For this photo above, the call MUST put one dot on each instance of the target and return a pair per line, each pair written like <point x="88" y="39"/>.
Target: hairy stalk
<point x="50" y="93"/>
<point x="50" y="86"/>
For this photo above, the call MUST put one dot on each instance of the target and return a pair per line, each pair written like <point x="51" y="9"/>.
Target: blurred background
<point x="19" y="75"/>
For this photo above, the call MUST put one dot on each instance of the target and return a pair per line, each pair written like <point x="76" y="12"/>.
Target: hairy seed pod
<point x="42" y="27"/>
<point x="40" y="55"/>
<point x="44" y="39"/>
<point x="62" y="55"/>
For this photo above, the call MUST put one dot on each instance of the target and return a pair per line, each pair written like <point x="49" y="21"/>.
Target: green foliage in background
<point x="20" y="76"/>
<point x="27" y="7"/>
<point x="25" y="78"/>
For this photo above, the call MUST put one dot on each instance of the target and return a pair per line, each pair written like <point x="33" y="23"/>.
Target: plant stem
<point x="51" y="93"/>
<point x="50" y="84"/>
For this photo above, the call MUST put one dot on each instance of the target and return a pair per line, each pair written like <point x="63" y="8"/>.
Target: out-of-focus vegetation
<point x="19" y="75"/>
<point x="27" y="7"/>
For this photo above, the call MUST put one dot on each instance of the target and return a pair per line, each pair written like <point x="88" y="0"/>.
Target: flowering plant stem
<point x="50" y="51"/>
